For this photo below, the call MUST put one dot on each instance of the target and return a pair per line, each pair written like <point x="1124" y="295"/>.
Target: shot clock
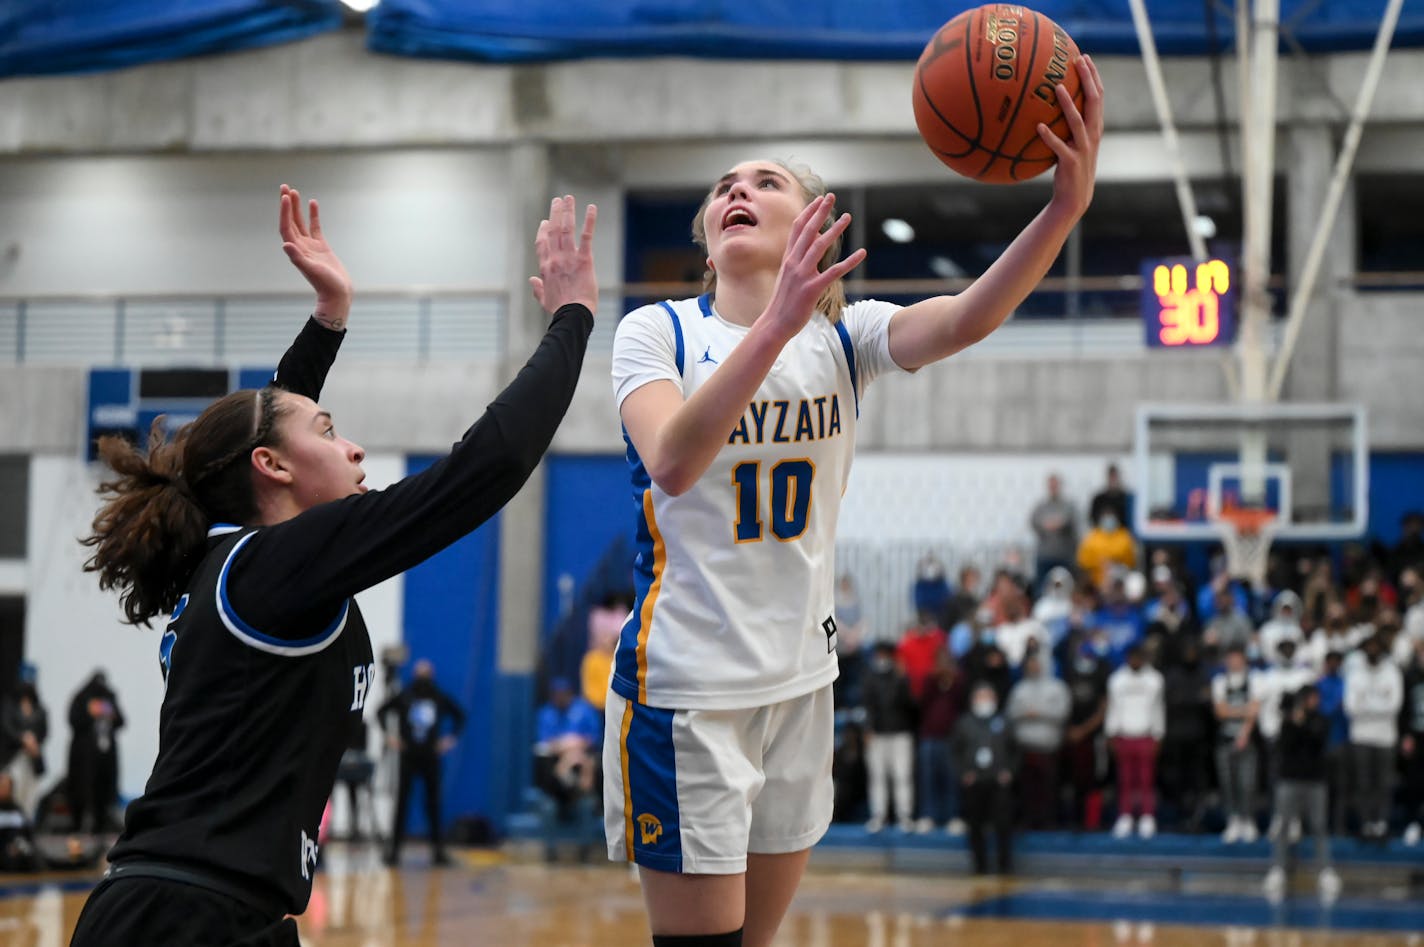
<point x="1188" y="304"/>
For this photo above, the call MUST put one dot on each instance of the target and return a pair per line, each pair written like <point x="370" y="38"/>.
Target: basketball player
<point x="254" y="530"/>
<point x="739" y="409"/>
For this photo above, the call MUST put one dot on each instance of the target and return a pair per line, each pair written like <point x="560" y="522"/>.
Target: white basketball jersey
<point x="735" y="578"/>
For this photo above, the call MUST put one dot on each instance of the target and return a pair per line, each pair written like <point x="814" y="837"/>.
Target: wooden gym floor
<point x="490" y="899"/>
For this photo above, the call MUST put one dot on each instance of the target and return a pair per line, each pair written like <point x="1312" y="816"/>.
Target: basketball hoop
<point x="1246" y="536"/>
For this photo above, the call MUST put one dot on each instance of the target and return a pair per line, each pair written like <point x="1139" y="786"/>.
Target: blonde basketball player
<point x="740" y="414"/>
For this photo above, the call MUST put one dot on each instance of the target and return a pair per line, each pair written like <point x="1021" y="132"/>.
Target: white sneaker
<point x="906" y="825"/>
<point x="1147" y="826"/>
<point x="1232" y="835"/>
<point x="1123" y="827"/>
<point x="1249" y="832"/>
<point x="1411" y="834"/>
<point x="1275" y="883"/>
<point x="874" y="825"/>
<point x="1295" y="830"/>
<point x="924" y="826"/>
<point x="956" y="827"/>
<point x="1273" y="831"/>
<point x="1329" y="884"/>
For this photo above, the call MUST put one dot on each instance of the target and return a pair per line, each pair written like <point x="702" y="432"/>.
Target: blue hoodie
<point x="1332" y="706"/>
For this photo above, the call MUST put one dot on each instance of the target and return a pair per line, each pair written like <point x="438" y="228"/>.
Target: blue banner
<point x="61" y="36"/>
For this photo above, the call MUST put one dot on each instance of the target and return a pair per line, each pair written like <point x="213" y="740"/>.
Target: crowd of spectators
<point x="1112" y="690"/>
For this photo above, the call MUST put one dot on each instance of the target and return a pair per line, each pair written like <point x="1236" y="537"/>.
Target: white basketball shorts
<point x="693" y="791"/>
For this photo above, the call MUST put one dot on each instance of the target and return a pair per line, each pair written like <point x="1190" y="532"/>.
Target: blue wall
<point x="589" y="506"/>
<point x="451" y="616"/>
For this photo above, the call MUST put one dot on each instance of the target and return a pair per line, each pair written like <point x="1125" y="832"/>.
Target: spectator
<point x="1337" y="747"/>
<point x="94" y="718"/>
<point x="1284" y="625"/>
<point x="986" y="663"/>
<point x="1374" y="694"/>
<point x="1038" y="711"/>
<point x="1411" y="744"/>
<point x="1086" y="674"/>
<point x="1283" y="677"/>
<point x="931" y="590"/>
<point x="918" y="647"/>
<point x="1112" y="499"/>
<point x="944" y="699"/>
<point x="422" y="712"/>
<point x="1229" y="626"/>
<point x="1186" y="757"/>
<point x="985" y="756"/>
<point x="1300" y="791"/>
<point x="850" y="642"/>
<point x="1018" y="629"/>
<point x="1055" y="525"/>
<point x="964" y="603"/>
<point x="355" y="773"/>
<point x="26" y="725"/>
<point x="1055" y="605"/>
<point x="1320" y="593"/>
<point x="1006" y="588"/>
<point x="1335" y="634"/>
<point x="1235" y="694"/>
<point x="605" y="623"/>
<point x="1107" y="547"/>
<point x="1411" y="594"/>
<point x="1408" y="553"/>
<point x="568" y="735"/>
<point x="1119" y="619"/>
<point x="1372" y="594"/>
<point x="1136" y="723"/>
<point x="849" y="775"/>
<point x="1210" y="594"/>
<point x="1169" y="620"/>
<point x="18" y="850"/>
<point x="890" y="740"/>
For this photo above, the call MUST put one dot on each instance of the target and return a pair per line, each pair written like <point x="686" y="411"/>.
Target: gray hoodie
<point x="1038" y="710"/>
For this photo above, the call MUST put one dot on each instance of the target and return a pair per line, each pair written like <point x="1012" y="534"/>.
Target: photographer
<point x="1301" y="788"/>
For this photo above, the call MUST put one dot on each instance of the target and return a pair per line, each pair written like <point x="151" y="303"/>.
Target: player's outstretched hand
<point x="313" y="257"/>
<point x="800" y="283"/>
<point x="565" y="265"/>
<point x="1078" y="156"/>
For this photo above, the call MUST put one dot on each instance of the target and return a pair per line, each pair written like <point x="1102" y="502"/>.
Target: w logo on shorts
<point x="649" y="829"/>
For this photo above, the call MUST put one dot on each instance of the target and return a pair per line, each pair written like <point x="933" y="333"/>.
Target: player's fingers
<point x="808" y="224"/>
<point x="315" y="218"/>
<point x="1055" y="144"/>
<point x="1092" y="95"/>
<point x="590" y="220"/>
<point x="537" y="286"/>
<point x="301" y="224"/>
<point x="1077" y="129"/>
<point x="1097" y="76"/>
<point x="845" y="266"/>
<point x="285" y="226"/>
<point x="823" y="242"/>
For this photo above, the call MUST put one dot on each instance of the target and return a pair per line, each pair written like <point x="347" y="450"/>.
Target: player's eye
<point x="329" y="433"/>
<point x="722" y="188"/>
<point x="771" y="181"/>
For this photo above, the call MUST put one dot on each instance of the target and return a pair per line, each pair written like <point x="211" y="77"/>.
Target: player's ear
<point x="268" y="465"/>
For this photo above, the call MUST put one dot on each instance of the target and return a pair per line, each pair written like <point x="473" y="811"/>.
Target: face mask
<point x="1108" y="524"/>
<point x="883" y="664"/>
<point x="985" y="708"/>
<point x="987" y="636"/>
<point x="1099" y="648"/>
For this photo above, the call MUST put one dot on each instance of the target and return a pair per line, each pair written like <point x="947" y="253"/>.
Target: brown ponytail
<point x="151" y="532"/>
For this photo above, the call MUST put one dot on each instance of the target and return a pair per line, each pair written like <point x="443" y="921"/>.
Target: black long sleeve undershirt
<point x="290" y="578"/>
<point x="303" y="367"/>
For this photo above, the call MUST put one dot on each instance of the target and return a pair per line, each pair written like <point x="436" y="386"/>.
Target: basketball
<point x="984" y="83"/>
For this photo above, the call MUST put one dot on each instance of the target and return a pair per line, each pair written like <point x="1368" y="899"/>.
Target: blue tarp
<point x="57" y="36"/>
<point x="532" y="30"/>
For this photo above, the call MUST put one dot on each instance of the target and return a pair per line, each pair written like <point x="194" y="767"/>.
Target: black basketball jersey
<point x="267" y="661"/>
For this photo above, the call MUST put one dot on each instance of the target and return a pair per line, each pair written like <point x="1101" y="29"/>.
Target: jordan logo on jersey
<point x="309" y="852"/>
<point x="707" y="357"/>
<point x="650" y="830"/>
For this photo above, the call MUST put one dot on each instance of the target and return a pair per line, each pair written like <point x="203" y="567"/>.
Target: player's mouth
<point x="737" y="216"/>
<point x="360" y="486"/>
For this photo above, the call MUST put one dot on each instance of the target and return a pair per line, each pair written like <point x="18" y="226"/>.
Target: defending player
<point x="719" y="724"/>
<point x="253" y="529"/>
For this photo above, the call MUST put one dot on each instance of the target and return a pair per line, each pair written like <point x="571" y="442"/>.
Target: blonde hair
<point x="833" y="299"/>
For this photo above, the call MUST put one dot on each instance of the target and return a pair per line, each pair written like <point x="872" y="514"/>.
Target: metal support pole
<point x="1300" y="298"/>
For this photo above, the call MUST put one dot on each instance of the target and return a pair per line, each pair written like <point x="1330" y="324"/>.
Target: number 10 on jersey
<point x="789" y="482"/>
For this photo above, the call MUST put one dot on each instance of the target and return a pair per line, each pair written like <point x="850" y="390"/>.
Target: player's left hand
<point x="306" y="247"/>
<point x="446" y="745"/>
<point x="565" y="263"/>
<point x="1078" y="156"/>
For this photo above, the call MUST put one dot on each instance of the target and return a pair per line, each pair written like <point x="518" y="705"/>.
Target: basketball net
<point x="1246" y="536"/>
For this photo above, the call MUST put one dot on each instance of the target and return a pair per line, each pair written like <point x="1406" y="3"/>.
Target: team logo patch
<point x="650" y="830"/>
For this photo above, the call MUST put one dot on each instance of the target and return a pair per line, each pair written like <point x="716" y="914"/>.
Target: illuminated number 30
<point x="790" y="499"/>
<point x="1191" y="316"/>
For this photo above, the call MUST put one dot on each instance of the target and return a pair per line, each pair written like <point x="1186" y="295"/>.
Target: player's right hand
<point x="800" y="283"/>
<point x="565" y="266"/>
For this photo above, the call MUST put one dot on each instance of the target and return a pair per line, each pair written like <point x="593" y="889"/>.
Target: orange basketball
<point x="984" y="83"/>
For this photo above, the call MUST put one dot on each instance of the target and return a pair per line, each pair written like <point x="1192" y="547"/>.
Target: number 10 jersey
<point x="734" y="579"/>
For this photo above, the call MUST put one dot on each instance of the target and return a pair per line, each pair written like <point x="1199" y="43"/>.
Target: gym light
<point x="898" y="230"/>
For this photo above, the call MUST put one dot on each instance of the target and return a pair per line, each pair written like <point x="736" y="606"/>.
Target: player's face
<point x="749" y="214"/>
<point x="324" y="465"/>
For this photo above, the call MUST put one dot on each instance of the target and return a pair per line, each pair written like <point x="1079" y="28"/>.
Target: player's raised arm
<point x="304" y="366"/>
<point x="940" y="326"/>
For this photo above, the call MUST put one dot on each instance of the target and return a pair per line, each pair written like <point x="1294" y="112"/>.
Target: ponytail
<point x="150" y="533"/>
